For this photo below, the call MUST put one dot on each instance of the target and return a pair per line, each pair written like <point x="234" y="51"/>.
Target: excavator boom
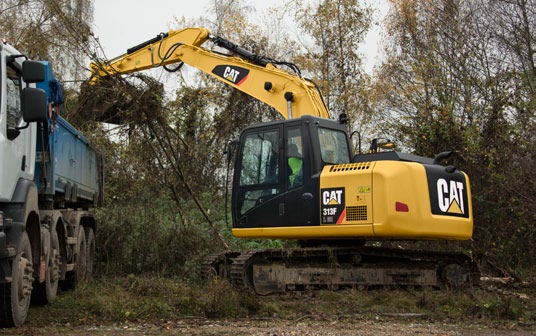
<point x="292" y="96"/>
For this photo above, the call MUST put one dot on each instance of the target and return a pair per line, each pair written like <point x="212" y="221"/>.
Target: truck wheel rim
<point x="24" y="280"/>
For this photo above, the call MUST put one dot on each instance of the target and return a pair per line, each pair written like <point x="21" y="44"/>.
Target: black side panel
<point x="392" y="156"/>
<point x="448" y="191"/>
<point x="268" y="212"/>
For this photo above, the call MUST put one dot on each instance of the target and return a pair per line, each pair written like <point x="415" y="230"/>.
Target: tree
<point x="54" y="30"/>
<point x="336" y="29"/>
<point x="458" y="75"/>
<point x="172" y="153"/>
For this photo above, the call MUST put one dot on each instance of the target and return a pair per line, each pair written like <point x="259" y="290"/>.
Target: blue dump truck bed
<point x="68" y="170"/>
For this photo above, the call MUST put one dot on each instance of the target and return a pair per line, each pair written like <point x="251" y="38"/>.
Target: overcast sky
<point x="121" y="24"/>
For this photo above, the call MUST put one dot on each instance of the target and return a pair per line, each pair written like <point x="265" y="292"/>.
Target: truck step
<point x="10" y="252"/>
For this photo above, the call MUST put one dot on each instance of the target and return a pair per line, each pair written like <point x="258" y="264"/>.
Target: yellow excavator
<point x="298" y="179"/>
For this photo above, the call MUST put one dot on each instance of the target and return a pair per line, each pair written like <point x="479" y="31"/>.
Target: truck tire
<point x="80" y="269"/>
<point x="79" y="272"/>
<point x="90" y="257"/>
<point x="54" y="267"/>
<point x="15" y="296"/>
<point x="46" y="291"/>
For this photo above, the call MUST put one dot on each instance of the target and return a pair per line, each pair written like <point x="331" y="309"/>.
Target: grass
<point x="156" y="299"/>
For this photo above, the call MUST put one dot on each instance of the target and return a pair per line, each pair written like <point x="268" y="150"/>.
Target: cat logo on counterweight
<point x="450" y="196"/>
<point x="448" y="192"/>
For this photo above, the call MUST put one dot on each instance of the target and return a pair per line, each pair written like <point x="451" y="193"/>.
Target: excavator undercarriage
<point x="285" y="270"/>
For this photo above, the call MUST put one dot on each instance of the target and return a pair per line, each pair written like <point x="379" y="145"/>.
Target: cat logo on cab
<point x="333" y="207"/>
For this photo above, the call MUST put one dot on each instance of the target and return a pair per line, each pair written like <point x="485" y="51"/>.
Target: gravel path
<point x="268" y="327"/>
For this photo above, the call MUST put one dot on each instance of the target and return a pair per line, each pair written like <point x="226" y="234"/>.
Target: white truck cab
<point x="17" y="136"/>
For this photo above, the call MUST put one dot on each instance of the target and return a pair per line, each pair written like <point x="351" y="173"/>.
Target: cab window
<point x="260" y="159"/>
<point x="334" y="146"/>
<point x="294" y="158"/>
<point x="259" y="175"/>
<point x="13" y="101"/>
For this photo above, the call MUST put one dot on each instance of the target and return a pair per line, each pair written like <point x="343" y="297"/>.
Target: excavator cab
<point x="277" y="171"/>
<point x="296" y="179"/>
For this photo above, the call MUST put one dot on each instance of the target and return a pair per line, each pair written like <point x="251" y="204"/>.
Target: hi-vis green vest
<point x="295" y="166"/>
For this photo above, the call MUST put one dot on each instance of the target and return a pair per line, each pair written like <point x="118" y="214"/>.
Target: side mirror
<point x="231" y="148"/>
<point x="386" y="144"/>
<point x="33" y="71"/>
<point x="34" y="105"/>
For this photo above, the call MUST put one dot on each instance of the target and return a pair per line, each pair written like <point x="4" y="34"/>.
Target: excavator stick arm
<point x="149" y="54"/>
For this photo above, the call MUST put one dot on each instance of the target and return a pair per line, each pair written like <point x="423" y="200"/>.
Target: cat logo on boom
<point x="231" y="73"/>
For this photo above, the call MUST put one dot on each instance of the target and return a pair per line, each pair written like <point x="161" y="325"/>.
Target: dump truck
<point x="50" y="179"/>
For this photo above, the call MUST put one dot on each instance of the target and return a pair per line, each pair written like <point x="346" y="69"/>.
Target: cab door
<point x="299" y="195"/>
<point x="258" y="184"/>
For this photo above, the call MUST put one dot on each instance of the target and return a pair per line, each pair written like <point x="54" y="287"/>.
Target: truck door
<point x="16" y="152"/>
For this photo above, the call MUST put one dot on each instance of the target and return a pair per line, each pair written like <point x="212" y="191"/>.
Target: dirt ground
<point x="297" y="314"/>
<point x="380" y="325"/>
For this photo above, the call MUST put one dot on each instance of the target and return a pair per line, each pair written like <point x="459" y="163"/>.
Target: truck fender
<point x="54" y="219"/>
<point x="24" y="211"/>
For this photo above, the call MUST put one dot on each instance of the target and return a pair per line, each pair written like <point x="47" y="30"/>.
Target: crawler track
<point x="276" y="271"/>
